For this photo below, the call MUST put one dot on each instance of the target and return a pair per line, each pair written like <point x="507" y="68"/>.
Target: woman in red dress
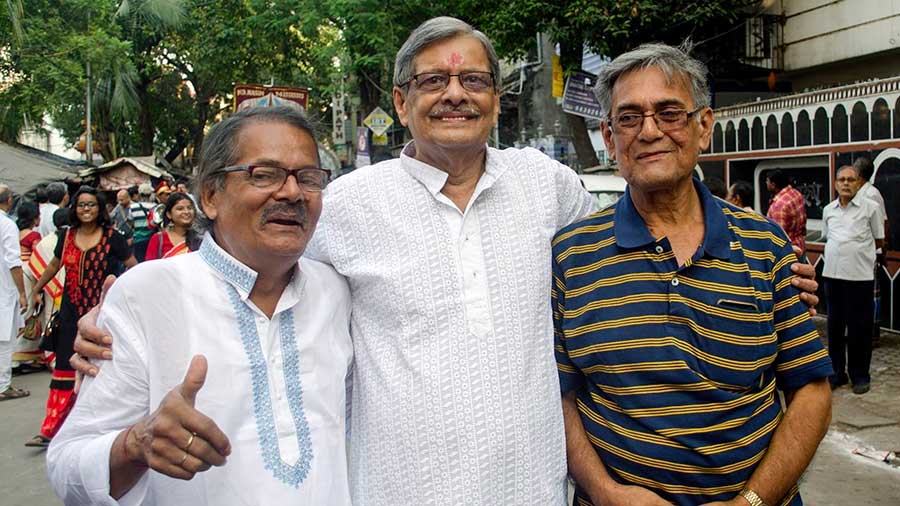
<point x="90" y="250"/>
<point x="176" y="237"/>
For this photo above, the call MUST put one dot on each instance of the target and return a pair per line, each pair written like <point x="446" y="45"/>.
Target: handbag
<point x="48" y="338"/>
<point x="32" y="329"/>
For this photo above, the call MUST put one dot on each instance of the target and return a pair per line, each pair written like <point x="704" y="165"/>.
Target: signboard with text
<point x="378" y="121"/>
<point x="252" y="95"/>
<point x="579" y="96"/>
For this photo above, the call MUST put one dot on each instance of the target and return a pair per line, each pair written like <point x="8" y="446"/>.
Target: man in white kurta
<point x="275" y="387"/>
<point x="454" y="380"/>
<point x="262" y="418"/>
<point x="11" y="294"/>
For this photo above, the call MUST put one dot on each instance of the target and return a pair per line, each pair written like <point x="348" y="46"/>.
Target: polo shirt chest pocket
<point x="737" y="341"/>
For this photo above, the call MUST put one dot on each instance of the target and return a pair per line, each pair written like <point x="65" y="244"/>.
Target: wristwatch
<point x="752" y="497"/>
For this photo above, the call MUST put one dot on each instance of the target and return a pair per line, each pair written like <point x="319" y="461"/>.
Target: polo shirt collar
<point x="632" y="232"/>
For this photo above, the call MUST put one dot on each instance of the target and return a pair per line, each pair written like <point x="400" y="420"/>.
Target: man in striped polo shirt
<point x="675" y="319"/>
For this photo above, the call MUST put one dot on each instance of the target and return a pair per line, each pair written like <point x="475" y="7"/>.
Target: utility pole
<point x="89" y="145"/>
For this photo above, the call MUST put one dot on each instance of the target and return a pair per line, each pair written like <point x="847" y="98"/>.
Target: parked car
<point x="607" y="188"/>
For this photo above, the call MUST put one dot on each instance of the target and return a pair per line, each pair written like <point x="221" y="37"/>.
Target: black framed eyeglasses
<point x="267" y="177"/>
<point x="667" y="120"/>
<point x="473" y="80"/>
<point x="86" y="205"/>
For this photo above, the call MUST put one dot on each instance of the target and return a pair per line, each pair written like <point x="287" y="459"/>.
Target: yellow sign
<point x="379" y="140"/>
<point x="378" y="121"/>
<point x="557" y="76"/>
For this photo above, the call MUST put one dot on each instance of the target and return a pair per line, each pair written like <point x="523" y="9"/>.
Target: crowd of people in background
<point x="66" y="245"/>
<point x="854" y="227"/>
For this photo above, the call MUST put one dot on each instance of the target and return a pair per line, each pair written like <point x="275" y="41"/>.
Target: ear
<point x="496" y="107"/>
<point x="400" y="105"/>
<point x="608" y="139"/>
<point x="706" y="127"/>
<point x="209" y="201"/>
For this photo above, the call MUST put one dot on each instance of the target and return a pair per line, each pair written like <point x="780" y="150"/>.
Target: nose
<point x="649" y="129"/>
<point x="454" y="92"/>
<point x="290" y="190"/>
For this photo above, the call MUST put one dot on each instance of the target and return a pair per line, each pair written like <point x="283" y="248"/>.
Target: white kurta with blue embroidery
<point x="275" y="387"/>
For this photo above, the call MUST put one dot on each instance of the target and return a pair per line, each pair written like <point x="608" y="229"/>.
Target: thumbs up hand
<point x="176" y="439"/>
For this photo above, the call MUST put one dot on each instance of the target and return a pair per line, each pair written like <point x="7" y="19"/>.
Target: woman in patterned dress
<point x="27" y="357"/>
<point x="177" y="237"/>
<point x="90" y="250"/>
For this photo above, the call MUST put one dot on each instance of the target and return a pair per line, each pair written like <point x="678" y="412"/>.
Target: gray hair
<point x="5" y="194"/>
<point x="854" y="168"/>
<point x="56" y="192"/>
<point x="436" y="30"/>
<point x="221" y="148"/>
<point x="675" y="62"/>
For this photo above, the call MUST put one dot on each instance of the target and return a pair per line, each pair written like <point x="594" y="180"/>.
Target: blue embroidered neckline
<point x="232" y="270"/>
<point x="290" y="474"/>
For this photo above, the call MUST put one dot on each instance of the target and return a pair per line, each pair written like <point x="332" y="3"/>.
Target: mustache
<point x="296" y="212"/>
<point x="469" y="109"/>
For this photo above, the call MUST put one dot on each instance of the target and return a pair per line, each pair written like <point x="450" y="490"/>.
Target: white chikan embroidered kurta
<point x="275" y="387"/>
<point x="455" y="392"/>
<point x="11" y="256"/>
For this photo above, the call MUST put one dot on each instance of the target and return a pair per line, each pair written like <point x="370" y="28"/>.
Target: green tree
<point x="608" y="27"/>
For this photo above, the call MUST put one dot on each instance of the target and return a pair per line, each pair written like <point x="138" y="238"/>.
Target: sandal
<point x="13" y="393"/>
<point x="39" y="441"/>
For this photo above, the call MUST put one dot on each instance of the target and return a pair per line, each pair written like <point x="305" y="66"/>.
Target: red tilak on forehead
<point x="455" y="59"/>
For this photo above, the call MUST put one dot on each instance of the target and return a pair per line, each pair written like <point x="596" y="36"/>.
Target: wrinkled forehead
<point x="667" y="84"/>
<point x="248" y="138"/>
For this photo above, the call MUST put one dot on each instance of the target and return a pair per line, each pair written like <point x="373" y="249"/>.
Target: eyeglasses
<point x="475" y="81"/>
<point x="313" y="179"/>
<point x="86" y="205"/>
<point x="847" y="179"/>
<point x="667" y="120"/>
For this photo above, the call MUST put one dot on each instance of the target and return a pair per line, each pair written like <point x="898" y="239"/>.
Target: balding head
<point x="123" y="198"/>
<point x="6" y="197"/>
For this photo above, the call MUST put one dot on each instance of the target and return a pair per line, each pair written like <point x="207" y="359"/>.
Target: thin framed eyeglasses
<point x="267" y="177"/>
<point x="86" y="205"/>
<point x="667" y="120"/>
<point x="473" y="80"/>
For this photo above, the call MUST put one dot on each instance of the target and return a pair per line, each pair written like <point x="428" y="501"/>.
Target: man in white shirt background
<point x="853" y="228"/>
<point x="12" y="294"/>
<point x="227" y="382"/>
<point x="57" y="197"/>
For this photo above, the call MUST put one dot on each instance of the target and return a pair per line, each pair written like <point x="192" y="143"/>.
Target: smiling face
<point x="182" y="213"/>
<point x="649" y="159"/>
<point x="87" y="208"/>
<point x="256" y="225"/>
<point x="452" y="119"/>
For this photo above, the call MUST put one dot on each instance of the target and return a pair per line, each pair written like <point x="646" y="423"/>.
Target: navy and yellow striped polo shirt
<point x="675" y="368"/>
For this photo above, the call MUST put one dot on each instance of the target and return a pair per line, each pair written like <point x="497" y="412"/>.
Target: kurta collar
<point x="632" y="232"/>
<point x="242" y="278"/>
<point x="434" y="178"/>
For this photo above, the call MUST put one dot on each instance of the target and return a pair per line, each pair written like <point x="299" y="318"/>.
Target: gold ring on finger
<point x="180" y="464"/>
<point x="190" y="441"/>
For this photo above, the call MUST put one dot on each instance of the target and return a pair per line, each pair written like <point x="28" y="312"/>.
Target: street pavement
<point x="836" y="477"/>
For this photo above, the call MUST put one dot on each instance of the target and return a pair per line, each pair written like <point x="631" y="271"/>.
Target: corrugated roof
<point x="22" y="168"/>
<point x="145" y="164"/>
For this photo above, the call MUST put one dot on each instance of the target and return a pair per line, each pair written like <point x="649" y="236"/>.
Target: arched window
<point x="887" y="176"/>
<point x="757" y="135"/>
<point x="787" y="130"/>
<point x="743" y="136"/>
<point x="859" y="123"/>
<point x="804" y="129"/>
<point x="730" y="138"/>
<point x="820" y="127"/>
<point x="881" y="120"/>
<point x="718" y="141"/>
<point x="839" y="131"/>
<point x="897" y="119"/>
<point x="771" y="132"/>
